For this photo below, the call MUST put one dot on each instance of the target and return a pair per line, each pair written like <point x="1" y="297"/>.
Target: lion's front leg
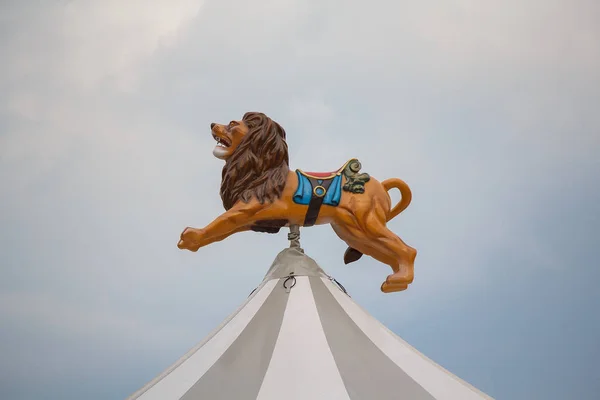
<point x="238" y="219"/>
<point x="192" y="238"/>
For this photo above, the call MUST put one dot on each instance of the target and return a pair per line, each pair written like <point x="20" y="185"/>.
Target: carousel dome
<point x="299" y="335"/>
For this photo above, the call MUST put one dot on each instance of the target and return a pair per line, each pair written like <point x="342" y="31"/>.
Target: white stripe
<point x="302" y="366"/>
<point x="182" y="378"/>
<point x="439" y="382"/>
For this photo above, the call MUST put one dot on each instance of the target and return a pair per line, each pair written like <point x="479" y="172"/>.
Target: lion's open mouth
<point x="222" y="142"/>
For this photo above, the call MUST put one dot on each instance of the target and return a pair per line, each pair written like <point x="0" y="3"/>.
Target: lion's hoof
<point x="391" y="288"/>
<point x="352" y="255"/>
<point x="398" y="278"/>
<point x="186" y="246"/>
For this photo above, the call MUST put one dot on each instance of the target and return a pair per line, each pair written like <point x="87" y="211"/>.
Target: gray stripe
<point x="366" y="371"/>
<point x="197" y="347"/>
<point x="239" y="372"/>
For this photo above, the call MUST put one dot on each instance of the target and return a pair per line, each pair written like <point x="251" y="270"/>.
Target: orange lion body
<point x="258" y="191"/>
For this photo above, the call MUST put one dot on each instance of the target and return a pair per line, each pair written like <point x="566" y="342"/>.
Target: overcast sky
<point x="488" y="109"/>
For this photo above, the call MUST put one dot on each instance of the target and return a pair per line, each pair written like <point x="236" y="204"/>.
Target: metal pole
<point x="294" y="237"/>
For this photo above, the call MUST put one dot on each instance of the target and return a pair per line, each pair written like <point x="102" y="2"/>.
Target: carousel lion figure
<point x="260" y="193"/>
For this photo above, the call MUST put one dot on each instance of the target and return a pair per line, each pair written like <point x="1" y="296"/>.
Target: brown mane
<point x="259" y="166"/>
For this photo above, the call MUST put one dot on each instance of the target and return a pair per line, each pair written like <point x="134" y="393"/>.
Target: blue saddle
<point x="327" y="187"/>
<point x="318" y="188"/>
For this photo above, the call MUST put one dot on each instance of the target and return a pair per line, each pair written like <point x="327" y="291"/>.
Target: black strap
<point x="316" y="201"/>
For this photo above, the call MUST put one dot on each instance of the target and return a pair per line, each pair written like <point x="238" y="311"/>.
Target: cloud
<point x="488" y="111"/>
<point x="96" y="42"/>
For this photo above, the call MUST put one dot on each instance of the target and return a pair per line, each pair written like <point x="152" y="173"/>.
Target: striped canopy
<point x="300" y="336"/>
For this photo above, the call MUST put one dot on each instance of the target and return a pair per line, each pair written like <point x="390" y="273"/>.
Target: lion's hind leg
<point x="367" y="233"/>
<point x="376" y="249"/>
<point x="388" y="243"/>
<point x="399" y="256"/>
<point x="404" y="257"/>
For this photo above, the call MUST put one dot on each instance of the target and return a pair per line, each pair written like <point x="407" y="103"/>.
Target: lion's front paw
<point x="191" y="239"/>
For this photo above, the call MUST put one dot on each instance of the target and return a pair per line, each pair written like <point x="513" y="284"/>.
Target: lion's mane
<point x="259" y="166"/>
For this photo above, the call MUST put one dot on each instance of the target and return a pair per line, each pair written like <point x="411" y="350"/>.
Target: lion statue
<point x="261" y="193"/>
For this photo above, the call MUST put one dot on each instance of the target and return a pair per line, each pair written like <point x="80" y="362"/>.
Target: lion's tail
<point x="395" y="183"/>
